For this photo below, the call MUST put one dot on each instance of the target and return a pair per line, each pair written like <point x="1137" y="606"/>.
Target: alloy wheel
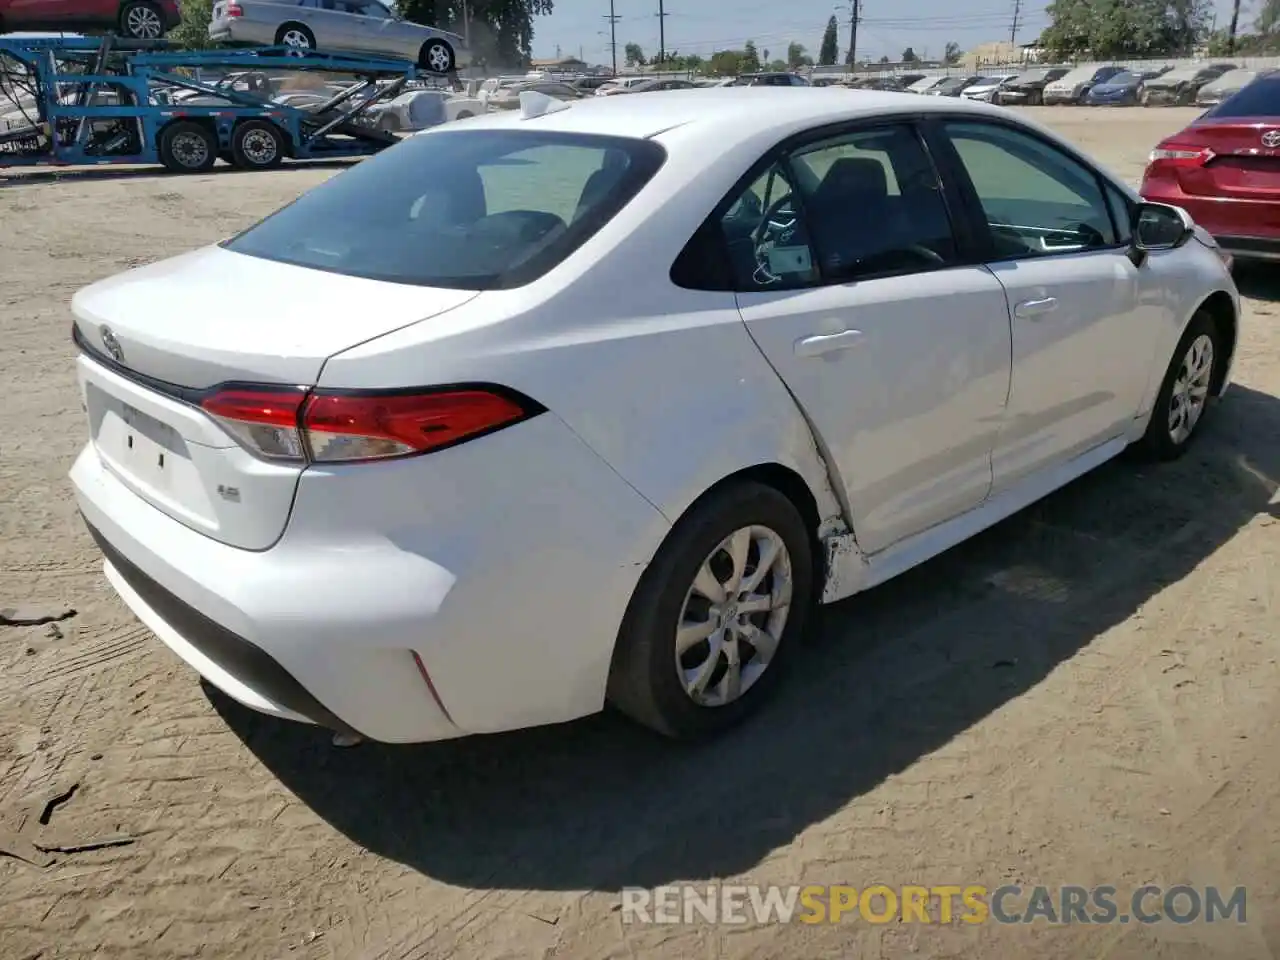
<point x="733" y="616"/>
<point x="1191" y="389"/>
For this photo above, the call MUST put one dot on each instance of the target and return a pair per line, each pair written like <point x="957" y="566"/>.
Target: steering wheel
<point x="770" y="222"/>
<point x="925" y="253"/>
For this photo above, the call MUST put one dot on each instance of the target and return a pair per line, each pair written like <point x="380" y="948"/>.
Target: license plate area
<point x="138" y="446"/>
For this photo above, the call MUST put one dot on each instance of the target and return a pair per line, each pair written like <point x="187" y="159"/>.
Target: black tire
<point x="141" y="20"/>
<point x="464" y="115"/>
<point x="296" y="34"/>
<point x="436" y="56"/>
<point x="257" y="145"/>
<point x="1159" y="442"/>
<point x="643" y="680"/>
<point x="188" y="147"/>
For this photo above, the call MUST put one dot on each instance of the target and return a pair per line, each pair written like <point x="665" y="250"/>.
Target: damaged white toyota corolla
<point x="588" y="405"/>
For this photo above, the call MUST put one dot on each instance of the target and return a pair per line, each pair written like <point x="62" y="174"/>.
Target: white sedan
<point x="590" y="404"/>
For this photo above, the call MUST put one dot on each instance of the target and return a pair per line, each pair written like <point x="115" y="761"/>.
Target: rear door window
<point x="476" y="210"/>
<point x="1261" y="98"/>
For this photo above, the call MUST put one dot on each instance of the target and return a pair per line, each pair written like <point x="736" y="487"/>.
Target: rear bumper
<point x="507" y="585"/>
<point x="1263" y="249"/>
<point x="1246" y="229"/>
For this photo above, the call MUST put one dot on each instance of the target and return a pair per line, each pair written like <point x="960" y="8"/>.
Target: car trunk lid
<point x="1241" y="161"/>
<point x="158" y="340"/>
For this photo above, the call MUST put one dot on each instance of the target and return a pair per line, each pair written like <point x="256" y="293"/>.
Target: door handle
<point x="820" y="344"/>
<point x="1035" y="308"/>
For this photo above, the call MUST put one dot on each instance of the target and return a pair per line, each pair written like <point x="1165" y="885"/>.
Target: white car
<point x="591" y="403"/>
<point x="985" y="88"/>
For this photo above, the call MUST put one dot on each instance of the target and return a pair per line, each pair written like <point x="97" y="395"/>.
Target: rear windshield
<point x="473" y="210"/>
<point x="1259" y="99"/>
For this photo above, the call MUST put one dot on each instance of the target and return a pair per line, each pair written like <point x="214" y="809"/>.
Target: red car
<point x="1224" y="170"/>
<point x="137" y="19"/>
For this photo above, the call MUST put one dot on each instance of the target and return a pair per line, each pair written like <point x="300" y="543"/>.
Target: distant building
<point x="560" y="65"/>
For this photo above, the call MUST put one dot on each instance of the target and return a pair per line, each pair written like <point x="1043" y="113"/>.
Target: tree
<point x="634" y="55"/>
<point x="193" y="32"/>
<point x="909" y="56"/>
<point x="1268" y="20"/>
<point x="885" y="58"/>
<point x="796" y="57"/>
<point x="951" y="54"/>
<point x="501" y="30"/>
<point x="777" y="66"/>
<point x="726" y="63"/>
<point x="830" y="49"/>
<point x="1116" y="29"/>
<point x="750" y="58"/>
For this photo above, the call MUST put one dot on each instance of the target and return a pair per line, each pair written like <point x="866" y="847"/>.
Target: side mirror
<point x="1159" y="226"/>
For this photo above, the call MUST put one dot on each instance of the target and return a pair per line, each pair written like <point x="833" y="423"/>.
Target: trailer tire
<point x="296" y="36"/>
<point x="436" y="56"/>
<point x="257" y="145"/>
<point x="188" y="147"/>
<point x="141" y="20"/>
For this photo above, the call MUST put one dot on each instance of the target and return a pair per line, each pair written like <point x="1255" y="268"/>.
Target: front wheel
<point x="1185" y="392"/>
<point x="436" y="56"/>
<point x="715" y="614"/>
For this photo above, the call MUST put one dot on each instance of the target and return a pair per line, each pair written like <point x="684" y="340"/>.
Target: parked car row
<point x="1094" y="84"/>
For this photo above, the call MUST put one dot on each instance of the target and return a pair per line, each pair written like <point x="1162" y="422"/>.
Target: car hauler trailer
<point x="86" y="100"/>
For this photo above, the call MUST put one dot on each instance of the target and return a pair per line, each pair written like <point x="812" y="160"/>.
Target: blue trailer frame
<point x="68" y="127"/>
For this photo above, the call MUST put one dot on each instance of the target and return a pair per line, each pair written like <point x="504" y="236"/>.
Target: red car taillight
<point x="1172" y="153"/>
<point x="234" y="10"/>
<point x="341" y="427"/>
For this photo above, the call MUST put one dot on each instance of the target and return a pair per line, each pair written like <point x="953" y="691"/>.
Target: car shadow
<point x="29" y="176"/>
<point x="888" y="676"/>
<point x="1258" y="281"/>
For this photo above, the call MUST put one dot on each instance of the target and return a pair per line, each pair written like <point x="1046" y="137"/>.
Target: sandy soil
<point x="1087" y="694"/>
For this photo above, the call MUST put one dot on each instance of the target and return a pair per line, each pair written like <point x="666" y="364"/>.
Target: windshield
<point x="1120" y="79"/>
<point x="472" y="210"/>
<point x="1259" y="99"/>
<point x="1031" y="76"/>
<point x="1078" y="75"/>
<point x="1181" y="74"/>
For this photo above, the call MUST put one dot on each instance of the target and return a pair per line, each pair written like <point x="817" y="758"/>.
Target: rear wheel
<point x="188" y="147"/>
<point x="141" y="20"/>
<point x="1185" y="392"/>
<point x="437" y="56"/>
<point x="257" y="145"/>
<point x="297" y="37"/>
<point x="715" y="613"/>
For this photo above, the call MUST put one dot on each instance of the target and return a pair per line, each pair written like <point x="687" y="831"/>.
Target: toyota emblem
<point x="1271" y="138"/>
<point x="112" y="344"/>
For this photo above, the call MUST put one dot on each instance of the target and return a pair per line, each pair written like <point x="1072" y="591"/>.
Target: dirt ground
<point x="1087" y="694"/>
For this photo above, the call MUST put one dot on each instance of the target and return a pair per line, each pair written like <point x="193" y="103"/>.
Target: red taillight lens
<point x="264" y="421"/>
<point x="234" y="10"/>
<point x="324" y="427"/>
<point x="1171" y="153"/>
<point x="342" y="428"/>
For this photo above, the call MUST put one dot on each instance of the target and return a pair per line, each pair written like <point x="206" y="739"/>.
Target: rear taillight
<point x="1172" y="153"/>
<point x="340" y="427"/>
<point x="263" y="421"/>
<point x="233" y="10"/>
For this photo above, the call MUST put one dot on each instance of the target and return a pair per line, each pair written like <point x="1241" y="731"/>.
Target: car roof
<point x="721" y="115"/>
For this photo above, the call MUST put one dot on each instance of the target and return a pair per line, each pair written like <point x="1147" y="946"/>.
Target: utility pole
<point x="662" y="35"/>
<point x="466" y="25"/>
<point x="613" y="36"/>
<point x="1013" y="30"/>
<point x="855" y="8"/>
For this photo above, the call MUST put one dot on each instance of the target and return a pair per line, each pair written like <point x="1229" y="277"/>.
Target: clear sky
<point x="581" y="27"/>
